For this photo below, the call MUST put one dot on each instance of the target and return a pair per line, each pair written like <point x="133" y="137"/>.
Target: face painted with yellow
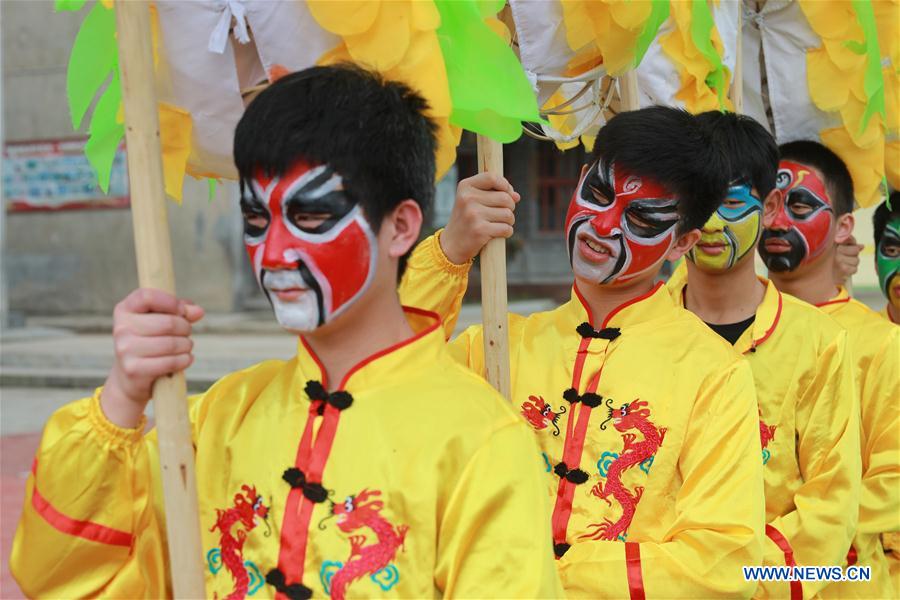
<point x="731" y="233"/>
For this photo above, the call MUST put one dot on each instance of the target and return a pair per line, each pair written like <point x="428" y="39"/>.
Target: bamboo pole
<point x="493" y="286"/>
<point x="737" y="82"/>
<point x="154" y="263"/>
<point x="628" y="91"/>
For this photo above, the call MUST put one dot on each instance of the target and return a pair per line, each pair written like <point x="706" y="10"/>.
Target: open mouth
<point x="593" y="249"/>
<point x="777" y="246"/>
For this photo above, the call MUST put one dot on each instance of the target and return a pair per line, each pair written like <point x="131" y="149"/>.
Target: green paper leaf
<point x="855" y="47"/>
<point x="105" y="133"/>
<point x="68" y="5"/>
<point x="873" y="82"/>
<point x="490" y="8"/>
<point x="94" y="56"/>
<point x="659" y="12"/>
<point x="702" y="25"/>
<point x="212" y="188"/>
<point x="490" y="93"/>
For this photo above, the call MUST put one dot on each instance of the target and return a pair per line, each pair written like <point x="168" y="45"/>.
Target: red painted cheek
<point x="252" y="251"/>
<point x="816" y="231"/>
<point x="344" y="261"/>
<point x="643" y="257"/>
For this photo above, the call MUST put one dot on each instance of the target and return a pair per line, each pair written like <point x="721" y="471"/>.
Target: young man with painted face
<point x="810" y="215"/>
<point x="808" y="410"/>
<point x="647" y="421"/>
<point x="886" y="226"/>
<point x="370" y="465"/>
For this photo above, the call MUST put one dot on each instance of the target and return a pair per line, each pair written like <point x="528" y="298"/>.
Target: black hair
<point x="837" y="176"/>
<point x="751" y="150"/>
<point x="669" y="146"/>
<point x="883" y="214"/>
<point x="372" y="131"/>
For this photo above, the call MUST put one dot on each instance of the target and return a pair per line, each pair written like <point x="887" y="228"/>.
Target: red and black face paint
<point x="619" y="225"/>
<point x="804" y="218"/>
<point x="312" y="250"/>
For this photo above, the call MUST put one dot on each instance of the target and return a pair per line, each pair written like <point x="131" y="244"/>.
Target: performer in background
<point x="808" y="406"/>
<point x="886" y="227"/>
<point x="647" y="420"/>
<point x="369" y="465"/>
<point x="810" y="216"/>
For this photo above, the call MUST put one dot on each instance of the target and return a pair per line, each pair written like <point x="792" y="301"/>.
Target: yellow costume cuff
<point x="113" y="433"/>
<point x="440" y="259"/>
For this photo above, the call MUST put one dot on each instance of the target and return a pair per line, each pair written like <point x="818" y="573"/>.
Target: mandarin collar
<point x="654" y="304"/>
<point x="768" y="315"/>
<point x="387" y="365"/>
<point x="837" y="302"/>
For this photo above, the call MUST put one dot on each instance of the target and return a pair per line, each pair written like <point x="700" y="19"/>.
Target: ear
<point x="770" y="207"/>
<point x="843" y="229"/>
<point x="403" y="226"/>
<point x="684" y="243"/>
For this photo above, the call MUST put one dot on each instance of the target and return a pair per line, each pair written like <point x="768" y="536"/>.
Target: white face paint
<point x="599" y="259"/>
<point x="299" y="313"/>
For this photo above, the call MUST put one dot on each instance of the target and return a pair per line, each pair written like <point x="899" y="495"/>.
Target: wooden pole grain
<point x="155" y="270"/>
<point x="493" y="286"/>
<point x="628" y="91"/>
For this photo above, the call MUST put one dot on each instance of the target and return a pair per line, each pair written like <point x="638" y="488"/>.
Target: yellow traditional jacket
<point x="647" y="426"/>
<point x="876" y="351"/>
<point x="809" y="431"/>
<point x="414" y="480"/>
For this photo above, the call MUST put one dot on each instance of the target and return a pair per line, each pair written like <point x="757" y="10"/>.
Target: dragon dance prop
<point x="831" y="69"/>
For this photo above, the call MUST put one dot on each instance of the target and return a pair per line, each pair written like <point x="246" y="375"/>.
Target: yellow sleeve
<point x="721" y="511"/>
<point x="879" y="501"/>
<point x="88" y="525"/>
<point x="495" y="532"/>
<point x="821" y="527"/>
<point x="432" y="282"/>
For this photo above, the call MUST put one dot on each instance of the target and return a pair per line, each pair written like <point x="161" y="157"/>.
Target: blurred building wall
<point x="82" y="261"/>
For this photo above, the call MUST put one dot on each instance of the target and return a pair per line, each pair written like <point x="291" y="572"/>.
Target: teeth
<point x="596" y="247"/>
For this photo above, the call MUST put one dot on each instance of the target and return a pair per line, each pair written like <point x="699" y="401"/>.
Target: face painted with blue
<point x="731" y="233"/>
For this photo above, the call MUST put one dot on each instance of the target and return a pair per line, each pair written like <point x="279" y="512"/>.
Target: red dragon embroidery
<point x="248" y="508"/>
<point x="540" y="414"/>
<point x="355" y="513"/>
<point x="633" y="415"/>
<point x="766" y="435"/>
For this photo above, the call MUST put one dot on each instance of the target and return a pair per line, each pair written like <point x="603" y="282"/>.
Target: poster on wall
<point x="55" y="175"/>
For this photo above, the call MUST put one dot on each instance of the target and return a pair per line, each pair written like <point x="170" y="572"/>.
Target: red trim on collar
<point x="383" y="352"/>
<point x="633" y="567"/>
<point x="838" y="301"/>
<point x="771" y="330"/>
<point x="88" y="530"/>
<point x="617" y="309"/>
<point x="635" y="300"/>
<point x="584" y="304"/>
